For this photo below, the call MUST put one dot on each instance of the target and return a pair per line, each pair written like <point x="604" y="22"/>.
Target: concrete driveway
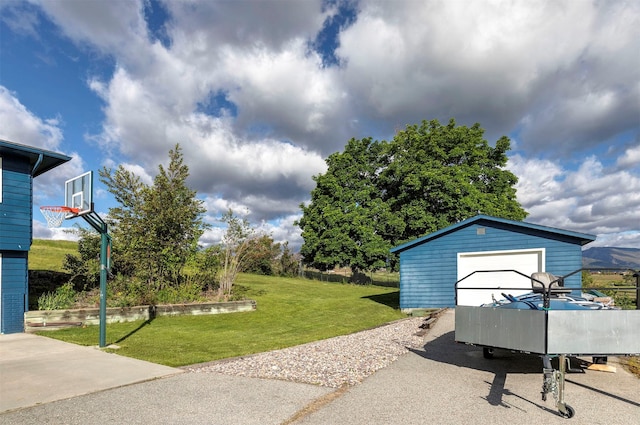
<point x="450" y="383"/>
<point x="443" y="383"/>
<point x="36" y="370"/>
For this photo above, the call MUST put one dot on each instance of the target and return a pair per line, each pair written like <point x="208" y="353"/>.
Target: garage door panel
<point x="524" y="261"/>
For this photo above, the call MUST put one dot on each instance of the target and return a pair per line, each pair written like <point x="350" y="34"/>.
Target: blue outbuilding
<point x="19" y="164"/>
<point x="431" y="265"/>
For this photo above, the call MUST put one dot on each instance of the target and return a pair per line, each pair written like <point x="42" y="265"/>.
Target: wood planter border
<point x="37" y="320"/>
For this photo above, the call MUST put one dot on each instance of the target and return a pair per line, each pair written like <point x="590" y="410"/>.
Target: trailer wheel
<point x="569" y="413"/>
<point x="487" y="352"/>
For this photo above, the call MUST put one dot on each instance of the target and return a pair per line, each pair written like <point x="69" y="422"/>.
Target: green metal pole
<point x="104" y="239"/>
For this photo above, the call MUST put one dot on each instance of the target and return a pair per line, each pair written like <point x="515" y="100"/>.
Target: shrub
<point x="124" y="291"/>
<point x="62" y="298"/>
<point x="188" y="291"/>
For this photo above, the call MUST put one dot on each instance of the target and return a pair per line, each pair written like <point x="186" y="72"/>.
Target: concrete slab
<point x="36" y="370"/>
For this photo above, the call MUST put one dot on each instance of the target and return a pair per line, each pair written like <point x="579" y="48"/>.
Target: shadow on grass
<point x="391" y="299"/>
<point x="152" y="315"/>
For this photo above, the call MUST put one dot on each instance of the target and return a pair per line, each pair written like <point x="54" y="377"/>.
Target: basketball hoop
<point x="56" y="215"/>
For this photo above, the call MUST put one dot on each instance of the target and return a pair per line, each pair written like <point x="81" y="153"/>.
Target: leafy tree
<point x="235" y="246"/>
<point x="173" y="219"/>
<point x="85" y="267"/>
<point x="262" y="253"/>
<point x="438" y="175"/>
<point x="347" y="222"/>
<point x="288" y="263"/>
<point x="266" y="257"/>
<point x="375" y="195"/>
<point x="126" y="220"/>
<point x="155" y="228"/>
<point x="206" y="263"/>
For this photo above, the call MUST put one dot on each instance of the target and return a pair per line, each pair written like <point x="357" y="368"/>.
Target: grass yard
<point x="289" y="312"/>
<point x="49" y="254"/>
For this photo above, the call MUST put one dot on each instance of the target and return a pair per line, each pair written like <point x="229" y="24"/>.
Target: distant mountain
<point x="611" y="257"/>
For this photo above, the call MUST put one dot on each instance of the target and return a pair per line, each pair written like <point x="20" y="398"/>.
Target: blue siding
<point x="16" y="206"/>
<point x="15" y="240"/>
<point x="20" y="164"/>
<point x="428" y="271"/>
<point x="14" y="291"/>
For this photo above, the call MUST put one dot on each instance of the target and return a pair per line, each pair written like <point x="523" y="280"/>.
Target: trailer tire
<point x="487" y="352"/>
<point x="569" y="413"/>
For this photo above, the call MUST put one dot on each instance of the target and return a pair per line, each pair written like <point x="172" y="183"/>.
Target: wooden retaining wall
<point x="37" y="320"/>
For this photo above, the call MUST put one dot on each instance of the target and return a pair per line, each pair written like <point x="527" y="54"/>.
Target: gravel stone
<point x="333" y="362"/>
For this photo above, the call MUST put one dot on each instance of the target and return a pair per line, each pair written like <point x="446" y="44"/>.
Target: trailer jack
<point x="553" y="382"/>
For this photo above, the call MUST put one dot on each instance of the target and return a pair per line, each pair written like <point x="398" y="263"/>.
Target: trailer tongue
<point x="549" y="322"/>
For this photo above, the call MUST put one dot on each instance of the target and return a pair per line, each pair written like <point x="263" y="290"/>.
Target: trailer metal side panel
<point x="570" y="332"/>
<point x="512" y="329"/>
<point x="594" y="332"/>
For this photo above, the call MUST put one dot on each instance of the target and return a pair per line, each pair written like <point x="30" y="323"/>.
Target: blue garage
<point x="19" y="164"/>
<point x="430" y="265"/>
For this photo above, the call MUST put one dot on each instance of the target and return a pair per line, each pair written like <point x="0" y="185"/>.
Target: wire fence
<point x="379" y="278"/>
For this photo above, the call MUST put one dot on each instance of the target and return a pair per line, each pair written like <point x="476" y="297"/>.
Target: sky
<point x="259" y="93"/>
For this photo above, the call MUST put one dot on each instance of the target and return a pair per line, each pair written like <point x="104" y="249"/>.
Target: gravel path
<point x="333" y="362"/>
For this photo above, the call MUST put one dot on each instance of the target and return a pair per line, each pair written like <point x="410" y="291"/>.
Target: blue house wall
<point x="15" y="208"/>
<point x="19" y="165"/>
<point x="428" y="266"/>
<point x="14" y="290"/>
<point x="15" y="241"/>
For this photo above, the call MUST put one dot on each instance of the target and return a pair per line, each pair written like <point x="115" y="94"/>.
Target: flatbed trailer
<point x="548" y="332"/>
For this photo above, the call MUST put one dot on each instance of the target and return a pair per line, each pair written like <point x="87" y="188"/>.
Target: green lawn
<point x="49" y="254"/>
<point x="289" y="312"/>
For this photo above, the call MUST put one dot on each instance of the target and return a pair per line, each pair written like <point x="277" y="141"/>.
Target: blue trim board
<point x="517" y="226"/>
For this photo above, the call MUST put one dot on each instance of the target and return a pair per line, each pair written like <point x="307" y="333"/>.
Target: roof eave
<point x="584" y="238"/>
<point x="41" y="160"/>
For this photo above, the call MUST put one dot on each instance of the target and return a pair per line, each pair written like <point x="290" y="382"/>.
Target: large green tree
<point x="438" y="175"/>
<point x="347" y="222"/>
<point x="375" y="195"/>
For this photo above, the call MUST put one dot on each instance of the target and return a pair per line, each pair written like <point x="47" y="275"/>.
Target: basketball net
<point x="56" y="215"/>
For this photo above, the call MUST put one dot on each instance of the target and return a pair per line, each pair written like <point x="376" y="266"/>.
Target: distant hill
<point x="611" y="257"/>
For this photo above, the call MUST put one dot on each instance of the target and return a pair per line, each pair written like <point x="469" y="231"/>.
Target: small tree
<point x="235" y="246"/>
<point x="155" y="229"/>
<point x="262" y="255"/>
<point x="84" y="267"/>
<point x="288" y="262"/>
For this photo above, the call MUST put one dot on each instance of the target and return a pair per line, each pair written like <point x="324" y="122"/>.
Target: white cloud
<point x="591" y="199"/>
<point x="203" y="25"/>
<point x="41" y="231"/>
<point x="21" y="20"/>
<point x="140" y="172"/>
<point x="561" y="77"/>
<point x="107" y="25"/>
<point x="547" y="68"/>
<point x="20" y="125"/>
<point x="631" y="158"/>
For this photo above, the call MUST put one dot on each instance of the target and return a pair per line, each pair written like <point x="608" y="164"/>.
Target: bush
<point x="623" y="301"/>
<point x="62" y="298"/>
<point x="126" y="292"/>
<point x="189" y="291"/>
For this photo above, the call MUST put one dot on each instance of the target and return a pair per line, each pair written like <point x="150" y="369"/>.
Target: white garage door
<point x="525" y="261"/>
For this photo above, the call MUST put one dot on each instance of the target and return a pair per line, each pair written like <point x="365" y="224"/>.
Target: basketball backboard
<point x="78" y="193"/>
